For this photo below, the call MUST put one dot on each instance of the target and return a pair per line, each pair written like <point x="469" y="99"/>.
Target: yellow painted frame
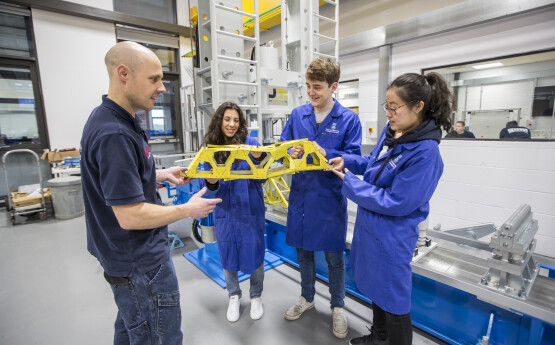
<point x="276" y="192"/>
<point x="263" y="169"/>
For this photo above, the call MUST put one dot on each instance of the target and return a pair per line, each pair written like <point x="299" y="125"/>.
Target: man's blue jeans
<point x="336" y="275"/>
<point x="149" y="312"/>
<point x="256" y="280"/>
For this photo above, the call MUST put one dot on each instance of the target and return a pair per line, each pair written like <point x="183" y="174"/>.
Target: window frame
<point x="424" y="71"/>
<point x="31" y="64"/>
<point x="175" y="78"/>
<point x="146" y="38"/>
<point x="117" y="7"/>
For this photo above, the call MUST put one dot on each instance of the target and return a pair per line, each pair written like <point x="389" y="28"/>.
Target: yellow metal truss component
<point x="267" y="19"/>
<point x="276" y="191"/>
<point x="190" y="54"/>
<point x="277" y="161"/>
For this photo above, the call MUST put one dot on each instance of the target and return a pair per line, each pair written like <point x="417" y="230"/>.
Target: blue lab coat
<point x="239" y="220"/>
<point x="317" y="215"/>
<point x="389" y="211"/>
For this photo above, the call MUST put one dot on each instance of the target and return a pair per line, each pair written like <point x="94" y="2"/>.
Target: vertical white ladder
<point x="315" y="50"/>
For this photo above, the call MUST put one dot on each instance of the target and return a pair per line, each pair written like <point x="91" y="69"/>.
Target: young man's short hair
<point x="512" y="123"/>
<point x="323" y="69"/>
<point x="462" y="123"/>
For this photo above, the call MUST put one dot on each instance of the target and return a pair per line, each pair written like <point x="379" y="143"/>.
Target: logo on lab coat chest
<point x="393" y="162"/>
<point x="332" y="129"/>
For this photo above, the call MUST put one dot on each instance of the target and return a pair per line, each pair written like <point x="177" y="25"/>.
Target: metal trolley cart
<point x="15" y="210"/>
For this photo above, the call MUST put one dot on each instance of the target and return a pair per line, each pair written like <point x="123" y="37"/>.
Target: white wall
<point x="486" y="181"/>
<point x="70" y="54"/>
<point x="364" y="67"/>
<point x="182" y="9"/>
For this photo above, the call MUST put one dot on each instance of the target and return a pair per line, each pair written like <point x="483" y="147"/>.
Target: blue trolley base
<point x="207" y="259"/>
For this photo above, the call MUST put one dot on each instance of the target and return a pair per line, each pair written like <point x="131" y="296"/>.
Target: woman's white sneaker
<point x="257" y="310"/>
<point x="233" y="309"/>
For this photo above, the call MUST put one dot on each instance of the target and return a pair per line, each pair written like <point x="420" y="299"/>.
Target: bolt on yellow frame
<point x="312" y="159"/>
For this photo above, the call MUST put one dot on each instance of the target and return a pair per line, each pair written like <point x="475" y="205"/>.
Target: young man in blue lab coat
<point x="317" y="217"/>
<point x="126" y="222"/>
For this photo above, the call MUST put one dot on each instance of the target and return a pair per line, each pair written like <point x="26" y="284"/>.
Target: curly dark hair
<point x="215" y="136"/>
<point x="430" y="89"/>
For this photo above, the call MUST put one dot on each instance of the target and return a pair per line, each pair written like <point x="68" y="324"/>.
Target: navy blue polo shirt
<point x="515" y="132"/>
<point x="117" y="168"/>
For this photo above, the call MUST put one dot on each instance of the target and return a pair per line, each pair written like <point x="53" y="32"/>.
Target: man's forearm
<point x="161" y="175"/>
<point x="142" y="215"/>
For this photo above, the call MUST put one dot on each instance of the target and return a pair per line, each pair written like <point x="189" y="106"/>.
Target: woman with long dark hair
<point x="239" y="218"/>
<point x="400" y="176"/>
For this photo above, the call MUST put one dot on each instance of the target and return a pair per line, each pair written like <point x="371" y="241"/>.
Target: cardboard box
<point x="58" y="156"/>
<point x="21" y="199"/>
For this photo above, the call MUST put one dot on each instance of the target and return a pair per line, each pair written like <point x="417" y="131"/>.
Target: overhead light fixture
<point x="488" y="65"/>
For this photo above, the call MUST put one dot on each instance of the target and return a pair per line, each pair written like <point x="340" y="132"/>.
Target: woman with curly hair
<point x="239" y="218"/>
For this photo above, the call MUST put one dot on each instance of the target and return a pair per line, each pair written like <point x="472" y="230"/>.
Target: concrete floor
<point x="53" y="292"/>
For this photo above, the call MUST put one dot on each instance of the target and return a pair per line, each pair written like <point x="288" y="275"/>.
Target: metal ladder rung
<point x="204" y="70"/>
<point x="208" y="88"/>
<point x="231" y="34"/>
<point x="248" y="106"/>
<point x="324" y="18"/>
<point x="325" y="55"/>
<point x="230" y="58"/>
<point x="251" y="128"/>
<point x="236" y="82"/>
<point x="205" y="105"/>
<point x="334" y="3"/>
<point x="326" y="37"/>
<point x="250" y="15"/>
<point x="206" y="23"/>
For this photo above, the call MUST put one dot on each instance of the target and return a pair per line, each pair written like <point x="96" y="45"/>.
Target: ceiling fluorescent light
<point x="488" y="65"/>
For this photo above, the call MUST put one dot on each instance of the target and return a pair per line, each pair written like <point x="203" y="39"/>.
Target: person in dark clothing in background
<point x="514" y="131"/>
<point x="460" y="131"/>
